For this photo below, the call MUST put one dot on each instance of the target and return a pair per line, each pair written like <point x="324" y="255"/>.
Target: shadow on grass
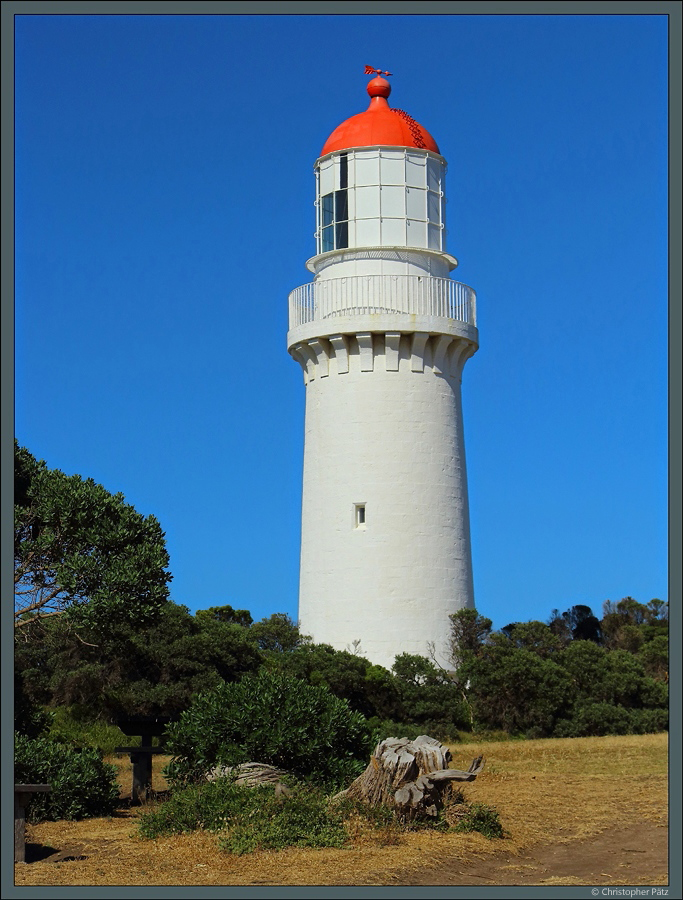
<point x="39" y="852"/>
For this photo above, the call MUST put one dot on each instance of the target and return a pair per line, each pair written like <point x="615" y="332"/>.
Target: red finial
<point x="370" y="71"/>
<point x="379" y="87"/>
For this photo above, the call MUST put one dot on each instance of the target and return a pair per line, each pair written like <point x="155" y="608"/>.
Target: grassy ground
<point x="548" y="792"/>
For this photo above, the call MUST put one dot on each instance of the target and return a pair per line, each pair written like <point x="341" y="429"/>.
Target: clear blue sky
<point x="164" y="210"/>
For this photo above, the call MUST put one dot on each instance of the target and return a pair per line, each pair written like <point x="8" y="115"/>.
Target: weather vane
<point x="369" y="71"/>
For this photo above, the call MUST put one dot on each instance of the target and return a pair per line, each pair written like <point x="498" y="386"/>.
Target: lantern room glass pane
<point x="393" y="167"/>
<point x="367" y="168"/>
<point x="416" y="204"/>
<point x="341" y="205"/>
<point x="327" y="242"/>
<point x="326" y="177"/>
<point x="433" y="175"/>
<point x="434" y="237"/>
<point x="393" y="232"/>
<point x="367" y="202"/>
<point x="433" y="207"/>
<point x="343" y="170"/>
<point x="415" y="171"/>
<point x="341" y="235"/>
<point x="393" y="201"/>
<point x="327" y="209"/>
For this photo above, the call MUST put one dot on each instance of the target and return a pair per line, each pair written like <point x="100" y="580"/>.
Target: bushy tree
<point x="514" y="689"/>
<point x="151" y="670"/>
<point x="578" y="623"/>
<point x="226" y="614"/>
<point x="81" y="550"/>
<point x="468" y="635"/>
<point x="277" y="633"/>
<point x="369" y="689"/>
<point x="429" y="696"/>
<point x="654" y="655"/>
<point x="629" y="625"/>
<point x="270" y="718"/>
<point x="81" y="784"/>
<point x="595" y="719"/>
<point x="616" y="677"/>
<point x="534" y="636"/>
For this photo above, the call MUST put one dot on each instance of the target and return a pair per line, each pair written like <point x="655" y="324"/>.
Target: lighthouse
<point x="382" y="333"/>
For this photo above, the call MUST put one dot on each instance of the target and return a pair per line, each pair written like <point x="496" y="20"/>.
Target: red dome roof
<point x="380" y="125"/>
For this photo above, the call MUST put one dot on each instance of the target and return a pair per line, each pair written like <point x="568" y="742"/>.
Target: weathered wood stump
<point x="410" y="776"/>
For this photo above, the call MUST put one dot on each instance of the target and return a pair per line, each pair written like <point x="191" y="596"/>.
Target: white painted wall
<point x="389" y="436"/>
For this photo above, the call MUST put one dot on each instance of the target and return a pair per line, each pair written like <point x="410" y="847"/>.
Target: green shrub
<point x="71" y="725"/>
<point x="208" y="806"/>
<point x="304" y="819"/>
<point x="596" y="720"/>
<point x="82" y="785"/>
<point x="273" y="719"/>
<point x="249" y="818"/>
<point x="484" y="819"/>
<point x="650" y="721"/>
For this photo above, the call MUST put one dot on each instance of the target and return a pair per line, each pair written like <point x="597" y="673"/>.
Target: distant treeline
<point x="574" y="675"/>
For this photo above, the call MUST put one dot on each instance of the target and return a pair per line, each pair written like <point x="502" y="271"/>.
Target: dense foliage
<point x="484" y="819"/>
<point x="147" y="670"/>
<point x="81" y="550"/>
<point x="249" y="818"/>
<point x="81" y="784"/>
<point x="575" y="676"/>
<point x="270" y="718"/>
<point x="529" y="678"/>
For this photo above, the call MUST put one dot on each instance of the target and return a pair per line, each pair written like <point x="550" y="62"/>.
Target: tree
<point x="153" y="669"/>
<point x="277" y="634"/>
<point x="226" y="614"/>
<point x="469" y="630"/>
<point x="535" y="636"/>
<point x="576" y="624"/>
<point x="270" y="718"/>
<point x="628" y="625"/>
<point x="368" y="689"/>
<point x="428" y="695"/>
<point x="515" y="689"/>
<point x="81" y="550"/>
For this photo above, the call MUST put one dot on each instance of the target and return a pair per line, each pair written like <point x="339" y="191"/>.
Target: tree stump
<point x="410" y="776"/>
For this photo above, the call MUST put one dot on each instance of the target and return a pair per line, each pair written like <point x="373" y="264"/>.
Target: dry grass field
<point x="578" y="811"/>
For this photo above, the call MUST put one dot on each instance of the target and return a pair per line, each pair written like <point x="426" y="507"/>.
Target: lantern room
<point x="380" y="182"/>
<point x="380" y="197"/>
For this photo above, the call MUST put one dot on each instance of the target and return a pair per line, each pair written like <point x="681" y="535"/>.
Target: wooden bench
<point x="22" y="795"/>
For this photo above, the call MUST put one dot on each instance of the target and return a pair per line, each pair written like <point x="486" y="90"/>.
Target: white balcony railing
<point x="359" y="295"/>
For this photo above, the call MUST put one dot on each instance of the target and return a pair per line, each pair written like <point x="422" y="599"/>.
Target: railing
<point x="359" y="295"/>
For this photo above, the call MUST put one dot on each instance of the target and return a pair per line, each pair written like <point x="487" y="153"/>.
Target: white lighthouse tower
<point x="382" y="334"/>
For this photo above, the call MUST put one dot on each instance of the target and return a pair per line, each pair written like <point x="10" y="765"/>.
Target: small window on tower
<point x="360" y="515"/>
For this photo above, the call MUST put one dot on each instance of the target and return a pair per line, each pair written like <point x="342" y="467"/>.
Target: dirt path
<point x="632" y="854"/>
